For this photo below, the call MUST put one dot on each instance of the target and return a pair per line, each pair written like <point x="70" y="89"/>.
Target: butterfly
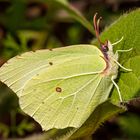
<point x="60" y="88"/>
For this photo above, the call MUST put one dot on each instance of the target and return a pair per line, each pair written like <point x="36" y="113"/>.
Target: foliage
<point x="75" y="14"/>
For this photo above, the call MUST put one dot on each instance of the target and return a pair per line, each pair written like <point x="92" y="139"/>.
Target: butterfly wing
<point x="58" y="88"/>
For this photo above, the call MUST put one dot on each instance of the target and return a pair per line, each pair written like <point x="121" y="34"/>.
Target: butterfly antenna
<point x="96" y="27"/>
<point x="98" y="24"/>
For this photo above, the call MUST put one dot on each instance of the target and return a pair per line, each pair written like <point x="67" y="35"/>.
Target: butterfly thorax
<point x="111" y="68"/>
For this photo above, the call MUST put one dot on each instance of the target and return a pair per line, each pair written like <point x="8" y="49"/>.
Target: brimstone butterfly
<point x="62" y="87"/>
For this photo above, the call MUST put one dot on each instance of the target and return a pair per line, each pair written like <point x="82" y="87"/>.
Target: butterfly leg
<point x="123" y="50"/>
<point x="118" y="90"/>
<point x="118" y="62"/>
<point x="121" y="65"/>
<point x="117" y="41"/>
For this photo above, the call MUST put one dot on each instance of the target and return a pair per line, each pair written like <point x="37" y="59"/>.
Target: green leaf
<point x="128" y="27"/>
<point x="74" y="13"/>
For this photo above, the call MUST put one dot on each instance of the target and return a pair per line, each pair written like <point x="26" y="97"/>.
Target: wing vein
<point x="73" y="94"/>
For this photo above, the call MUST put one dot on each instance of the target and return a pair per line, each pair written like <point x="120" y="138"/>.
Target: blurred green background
<point x="29" y="25"/>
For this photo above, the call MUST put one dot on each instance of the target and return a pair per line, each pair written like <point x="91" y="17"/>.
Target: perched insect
<point x="111" y="59"/>
<point x="61" y="88"/>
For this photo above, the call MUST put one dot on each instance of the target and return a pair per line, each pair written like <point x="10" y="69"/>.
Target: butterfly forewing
<point x="58" y="88"/>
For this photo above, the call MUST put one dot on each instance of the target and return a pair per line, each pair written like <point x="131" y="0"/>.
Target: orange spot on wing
<point x="58" y="89"/>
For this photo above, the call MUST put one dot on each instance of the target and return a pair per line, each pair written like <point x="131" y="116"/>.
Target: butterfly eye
<point x="105" y="48"/>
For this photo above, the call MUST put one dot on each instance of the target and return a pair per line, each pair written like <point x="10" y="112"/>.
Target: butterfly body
<point x="111" y="66"/>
